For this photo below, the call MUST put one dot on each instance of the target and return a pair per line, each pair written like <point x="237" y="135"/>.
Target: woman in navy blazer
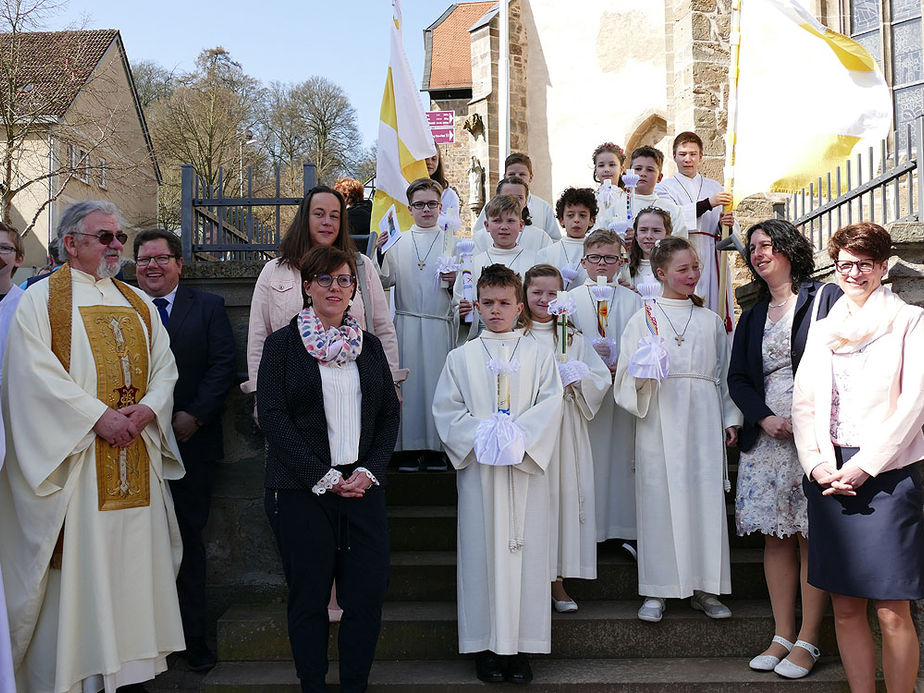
<point x="768" y="345"/>
<point x="328" y="407"/>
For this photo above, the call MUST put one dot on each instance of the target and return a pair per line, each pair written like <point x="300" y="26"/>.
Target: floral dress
<point x="769" y="496"/>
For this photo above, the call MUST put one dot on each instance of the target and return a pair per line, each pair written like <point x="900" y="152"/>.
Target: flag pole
<point x="731" y="141"/>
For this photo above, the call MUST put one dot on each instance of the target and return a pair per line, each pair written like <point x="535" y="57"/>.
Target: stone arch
<point x="649" y="130"/>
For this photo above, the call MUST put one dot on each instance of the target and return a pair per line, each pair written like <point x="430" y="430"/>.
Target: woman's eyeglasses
<point x="344" y="281"/>
<point x="863" y="266"/>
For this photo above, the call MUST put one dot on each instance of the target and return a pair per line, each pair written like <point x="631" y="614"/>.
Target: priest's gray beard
<point x="106" y="271"/>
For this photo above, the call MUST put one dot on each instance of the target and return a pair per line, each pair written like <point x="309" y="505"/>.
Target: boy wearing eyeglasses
<point x="604" y="307"/>
<point x="420" y="268"/>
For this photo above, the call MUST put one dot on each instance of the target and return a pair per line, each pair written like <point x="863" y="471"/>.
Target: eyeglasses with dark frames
<point x="607" y="259"/>
<point x="161" y="260"/>
<point x="344" y="281"/>
<point x="425" y="205"/>
<point x="863" y="266"/>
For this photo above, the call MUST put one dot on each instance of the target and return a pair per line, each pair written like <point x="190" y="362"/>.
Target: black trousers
<point x="192" y="496"/>
<point x="321" y="538"/>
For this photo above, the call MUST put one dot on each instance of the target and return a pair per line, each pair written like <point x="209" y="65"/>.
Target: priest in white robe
<point x="612" y="430"/>
<point x="680" y="452"/>
<point x="89" y="544"/>
<point x="504" y="576"/>
<point x="701" y="203"/>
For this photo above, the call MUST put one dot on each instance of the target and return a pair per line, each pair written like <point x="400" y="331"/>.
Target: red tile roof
<point x="52" y="66"/>
<point x="451" y="59"/>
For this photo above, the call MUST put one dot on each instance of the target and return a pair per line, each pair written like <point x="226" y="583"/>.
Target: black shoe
<point x="437" y="462"/>
<point x="411" y="464"/>
<point x="198" y="655"/>
<point x="132" y="688"/>
<point x="489" y="667"/>
<point x="518" y="669"/>
<point x="630" y="546"/>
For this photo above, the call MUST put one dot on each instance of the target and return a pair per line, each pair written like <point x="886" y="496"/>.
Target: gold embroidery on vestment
<point x="119" y="347"/>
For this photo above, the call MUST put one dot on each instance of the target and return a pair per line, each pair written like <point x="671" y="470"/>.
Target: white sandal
<point x="766" y="662"/>
<point x="788" y="670"/>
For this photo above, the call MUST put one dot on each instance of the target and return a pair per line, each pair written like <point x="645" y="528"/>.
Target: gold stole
<point x="120" y="352"/>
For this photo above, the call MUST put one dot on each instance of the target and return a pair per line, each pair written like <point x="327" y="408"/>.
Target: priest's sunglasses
<point x="162" y="260"/>
<point x="344" y="281"/>
<point x="846" y="266"/>
<point x="105" y="237"/>
<point x="607" y="259"/>
<point x="425" y="205"/>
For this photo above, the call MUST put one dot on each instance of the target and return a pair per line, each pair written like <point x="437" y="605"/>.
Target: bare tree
<point x="334" y="142"/>
<point x="58" y="120"/>
<point x="153" y="82"/>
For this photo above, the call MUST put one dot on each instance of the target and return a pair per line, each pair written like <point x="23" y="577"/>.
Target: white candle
<point x="562" y="327"/>
<point x="503" y="381"/>
<point x="602" y="310"/>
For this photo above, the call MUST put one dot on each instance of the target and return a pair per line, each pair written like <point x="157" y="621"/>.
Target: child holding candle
<point x="609" y="164"/>
<point x="612" y="431"/>
<point x="493" y="404"/>
<point x="531" y="237"/>
<point x="504" y="223"/>
<point x="422" y="271"/>
<point x="576" y="210"/>
<point x="520" y="166"/>
<point x="646" y="162"/>
<point x="683" y="421"/>
<point x="586" y="380"/>
<point x="651" y="225"/>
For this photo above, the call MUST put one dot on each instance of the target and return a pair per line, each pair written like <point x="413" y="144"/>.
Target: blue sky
<point x="347" y="42"/>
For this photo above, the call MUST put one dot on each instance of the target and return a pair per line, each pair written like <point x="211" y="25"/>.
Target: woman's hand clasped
<point x="354" y="487"/>
<point x="846" y="481"/>
<point x="777" y="427"/>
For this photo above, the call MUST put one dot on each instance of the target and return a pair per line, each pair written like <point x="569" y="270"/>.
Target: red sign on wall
<point x="442" y="126"/>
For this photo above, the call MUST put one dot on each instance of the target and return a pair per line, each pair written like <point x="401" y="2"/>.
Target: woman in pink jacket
<point x="277" y="296"/>
<point x="857" y="416"/>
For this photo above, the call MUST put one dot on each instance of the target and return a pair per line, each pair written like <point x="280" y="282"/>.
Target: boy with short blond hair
<point x="603" y="309"/>
<point x="420" y="268"/>
<point x="576" y="210"/>
<point x="501" y="382"/>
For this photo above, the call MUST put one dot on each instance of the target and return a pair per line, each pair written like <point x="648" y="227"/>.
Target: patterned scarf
<point x="332" y="347"/>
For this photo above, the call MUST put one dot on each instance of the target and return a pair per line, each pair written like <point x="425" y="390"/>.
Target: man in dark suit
<point x="203" y="346"/>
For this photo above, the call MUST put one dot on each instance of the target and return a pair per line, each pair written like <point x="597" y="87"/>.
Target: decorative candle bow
<point x="445" y="264"/>
<point x="630" y="180"/>
<point x="620" y="227"/>
<point x="607" y="195"/>
<point x="652" y="359"/>
<point x="498" y="440"/>
<point x="449" y="220"/>
<point x="568" y="275"/>
<point x="465" y="247"/>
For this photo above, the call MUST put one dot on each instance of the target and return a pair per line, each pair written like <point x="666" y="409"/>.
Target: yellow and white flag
<point x="404" y="138"/>
<point x="806" y="98"/>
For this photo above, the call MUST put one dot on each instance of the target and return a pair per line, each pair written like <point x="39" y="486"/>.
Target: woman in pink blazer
<point x="277" y="296"/>
<point x="857" y="416"/>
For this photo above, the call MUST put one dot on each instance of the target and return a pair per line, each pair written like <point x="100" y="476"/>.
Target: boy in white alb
<point x="702" y="202"/>
<point x="504" y="224"/>
<point x="603" y="309"/>
<point x="647" y="162"/>
<point x="493" y="404"/>
<point x="532" y="238"/>
<point x="420" y="268"/>
<point x="520" y="166"/>
<point x="576" y="210"/>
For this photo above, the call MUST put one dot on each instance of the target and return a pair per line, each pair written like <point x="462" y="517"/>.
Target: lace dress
<point x="769" y="497"/>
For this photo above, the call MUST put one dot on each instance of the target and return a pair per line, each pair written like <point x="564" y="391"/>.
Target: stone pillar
<point x="697" y="40"/>
<point x="485" y="46"/>
<point x="519" y="50"/>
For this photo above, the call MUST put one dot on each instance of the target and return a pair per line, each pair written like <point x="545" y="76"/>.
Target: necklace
<point x="678" y="337"/>
<point x="488" y="351"/>
<point x="423" y="263"/>
<point x="783" y="303"/>
<point x="488" y="253"/>
<point x="680" y="178"/>
<point x="572" y="263"/>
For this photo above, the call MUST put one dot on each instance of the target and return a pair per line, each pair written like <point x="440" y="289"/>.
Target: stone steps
<point x="599" y="630"/>
<point x="431" y="576"/>
<point x="552" y="675"/>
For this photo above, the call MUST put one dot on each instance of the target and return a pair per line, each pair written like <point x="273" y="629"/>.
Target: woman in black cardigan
<point x="328" y="407"/>
<point x="769" y="342"/>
